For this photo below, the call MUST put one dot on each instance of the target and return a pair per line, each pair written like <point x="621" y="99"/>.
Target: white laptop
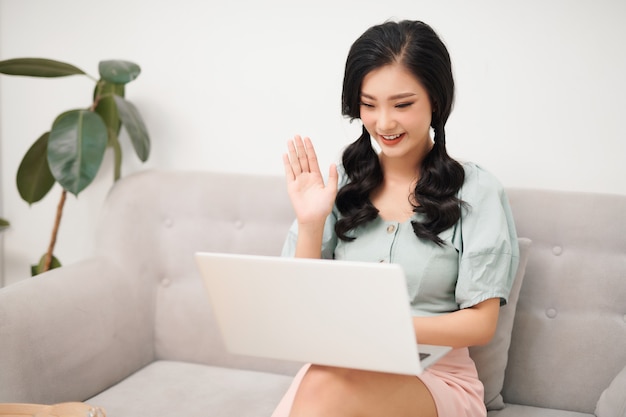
<point x="335" y="313"/>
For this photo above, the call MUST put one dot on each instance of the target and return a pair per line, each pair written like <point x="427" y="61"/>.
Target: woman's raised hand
<point x="312" y="200"/>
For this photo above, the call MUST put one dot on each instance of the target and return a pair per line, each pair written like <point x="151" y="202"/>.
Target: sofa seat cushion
<point x="168" y="388"/>
<point x="514" y="410"/>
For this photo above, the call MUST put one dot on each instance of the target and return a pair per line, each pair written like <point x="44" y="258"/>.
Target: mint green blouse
<point x="478" y="261"/>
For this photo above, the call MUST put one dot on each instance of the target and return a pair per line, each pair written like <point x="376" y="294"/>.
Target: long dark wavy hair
<point x="416" y="46"/>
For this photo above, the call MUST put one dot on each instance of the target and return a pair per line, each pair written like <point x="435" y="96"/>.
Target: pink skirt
<point x="452" y="381"/>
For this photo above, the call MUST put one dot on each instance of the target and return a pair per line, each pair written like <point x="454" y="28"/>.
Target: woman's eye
<point x="367" y="105"/>
<point x="403" y="105"/>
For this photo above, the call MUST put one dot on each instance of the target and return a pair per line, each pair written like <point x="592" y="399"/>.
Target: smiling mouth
<point x="391" y="138"/>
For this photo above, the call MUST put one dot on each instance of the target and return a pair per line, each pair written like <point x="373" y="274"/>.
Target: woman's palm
<point x="312" y="200"/>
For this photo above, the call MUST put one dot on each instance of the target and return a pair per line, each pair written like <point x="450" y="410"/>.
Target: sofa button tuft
<point x="551" y="313"/>
<point x="557" y="250"/>
<point x="168" y="222"/>
<point x="166" y="282"/>
<point x="239" y="225"/>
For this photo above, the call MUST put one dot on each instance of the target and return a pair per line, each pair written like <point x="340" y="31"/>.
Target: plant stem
<point x="55" y="231"/>
<point x="117" y="161"/>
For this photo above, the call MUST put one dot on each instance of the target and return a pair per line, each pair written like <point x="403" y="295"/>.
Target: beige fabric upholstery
<point x="167" y="388"/>
<point x="68" y="334"/>
<point x="132" y="326"/>
<point x="154" y="225"/>
<point x="570" y="325"/>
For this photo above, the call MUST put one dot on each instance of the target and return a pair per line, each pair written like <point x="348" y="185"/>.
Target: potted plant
<point x="71" y="152"/>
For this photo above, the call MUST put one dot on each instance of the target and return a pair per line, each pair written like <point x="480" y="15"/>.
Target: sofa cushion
<point x="491" y="359"/>
<point x="515" y="410"/>
<point x="175" y="389"/>
<point x="612" y="402"/>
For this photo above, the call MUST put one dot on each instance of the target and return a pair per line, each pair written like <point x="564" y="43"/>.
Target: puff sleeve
<point x="329" y="239"/>
<point x="487" y="242"/>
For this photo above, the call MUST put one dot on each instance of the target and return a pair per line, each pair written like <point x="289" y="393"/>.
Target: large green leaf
<point x="4" y="223"/>
<point x="136" y="128"/>
<point x="118" y="72"/>
<point x="38" y="67"/>
<point x="38" y="269"/>
<point x="76" y="148"/>
<point x="34" y="178"/>
<point x="107" y="109"/>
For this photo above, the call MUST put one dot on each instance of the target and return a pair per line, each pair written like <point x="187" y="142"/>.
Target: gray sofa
<point x="131" y="329"/>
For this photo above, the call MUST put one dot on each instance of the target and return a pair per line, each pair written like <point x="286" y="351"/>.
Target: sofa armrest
<point x="72" y="332"/>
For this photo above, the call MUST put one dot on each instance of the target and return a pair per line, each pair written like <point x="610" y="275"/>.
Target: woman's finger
<point x="293" y="158"/>
<point x="312" y="163"/>
<point x="289" y="175"/>
<point x="302" y="155"/>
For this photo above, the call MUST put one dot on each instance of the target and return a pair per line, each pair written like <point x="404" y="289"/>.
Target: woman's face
<point x="396" y="112"/>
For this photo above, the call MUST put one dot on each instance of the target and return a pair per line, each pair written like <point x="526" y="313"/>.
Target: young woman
<point x="448" y="224"/>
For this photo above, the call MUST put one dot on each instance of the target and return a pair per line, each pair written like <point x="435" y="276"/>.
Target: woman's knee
<point x="325" y="391"/>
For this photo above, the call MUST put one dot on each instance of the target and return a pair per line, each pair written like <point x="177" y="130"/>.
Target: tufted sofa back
<point x="570" y="326"/>
<point x="153" y="222"/>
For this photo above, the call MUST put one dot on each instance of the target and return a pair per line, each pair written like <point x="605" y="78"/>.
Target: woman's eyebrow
<point x="394" y="97"/>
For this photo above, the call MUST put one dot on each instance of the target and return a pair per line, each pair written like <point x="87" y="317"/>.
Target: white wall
<point x="225" y="84"/>
<point x="1" y="183"/>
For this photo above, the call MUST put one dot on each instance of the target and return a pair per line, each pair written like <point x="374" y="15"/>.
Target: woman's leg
<point x="284" y="407"/>
<point x="333" y="392"/>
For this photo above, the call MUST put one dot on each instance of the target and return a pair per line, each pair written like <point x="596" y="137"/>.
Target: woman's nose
<point x="385" y="121"/>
